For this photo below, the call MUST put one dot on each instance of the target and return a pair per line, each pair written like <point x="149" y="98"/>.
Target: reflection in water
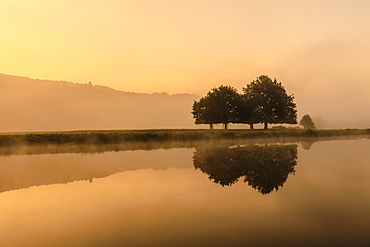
<point x="265" y="167"/>
<point x="24" y="171"/>
<point x="159" y="200"/>
<point x="307" y="144"/>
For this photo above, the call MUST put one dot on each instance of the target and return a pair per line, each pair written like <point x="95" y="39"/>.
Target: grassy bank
<point x="121" y="136"/>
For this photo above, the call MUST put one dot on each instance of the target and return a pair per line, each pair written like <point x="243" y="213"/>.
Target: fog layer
<point x="42" y="105"/>
<point x="37" y="105"/>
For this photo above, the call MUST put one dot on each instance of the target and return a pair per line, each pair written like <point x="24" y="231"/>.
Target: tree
<point x="220" y="105"/>
<point x="246" y="111"/>
<point x="271" y="102"/>
<point x="307" y="122"/>
<point x="202" y="112"/>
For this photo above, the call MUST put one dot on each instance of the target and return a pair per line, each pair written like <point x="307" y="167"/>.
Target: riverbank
<point x="159" y="135"/>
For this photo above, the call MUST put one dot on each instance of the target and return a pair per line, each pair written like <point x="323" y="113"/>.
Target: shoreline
<point x="164" y="135"/>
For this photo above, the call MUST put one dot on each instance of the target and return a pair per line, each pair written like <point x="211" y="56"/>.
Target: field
<point x="163" y="135"/>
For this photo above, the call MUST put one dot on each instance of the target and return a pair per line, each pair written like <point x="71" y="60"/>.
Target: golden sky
<point x="187" y="46"/>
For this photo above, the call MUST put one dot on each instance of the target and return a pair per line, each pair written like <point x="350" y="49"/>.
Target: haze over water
<point x="157" y="197"/>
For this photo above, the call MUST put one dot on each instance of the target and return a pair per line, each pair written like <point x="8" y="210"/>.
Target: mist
<point x="317" y="49"/>
<point x="332" y="96"/>
<point x="40" y="105"/>
<point x="330" y="81"/>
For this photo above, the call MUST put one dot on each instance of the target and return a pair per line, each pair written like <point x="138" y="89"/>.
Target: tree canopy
<point x="263" y="101"/>
<point x="307" y="122"/>
<point x="220" y="105"/>
<point x="270" y="102"/>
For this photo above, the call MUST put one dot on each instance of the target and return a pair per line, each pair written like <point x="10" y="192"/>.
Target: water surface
<point x="260" y="194"/>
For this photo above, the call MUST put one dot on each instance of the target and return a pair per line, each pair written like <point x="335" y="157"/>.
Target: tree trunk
<point x="266" y="126"/>
<point x="225" y="126"/>
<point x="251" y="126"/>
<point x="211" y="126"/>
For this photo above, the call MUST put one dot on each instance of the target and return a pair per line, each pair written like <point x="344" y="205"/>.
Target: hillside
<point x="37" y="105"/>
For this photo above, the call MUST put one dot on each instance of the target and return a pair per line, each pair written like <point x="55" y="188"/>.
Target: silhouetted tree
<point x="270" y="101"/>
<point x="265" y="168"/>
<point x="220" y="105"/>
<point x="246" y="111"/>
<point x="203" y="112"/>
<point x="307" y="122"/>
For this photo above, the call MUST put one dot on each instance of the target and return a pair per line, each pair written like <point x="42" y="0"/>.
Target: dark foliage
<point x="307" y="122"/>
<point x="270" y="102"/>
<point x="264" y="101"/>
<point x="220" y="105"/>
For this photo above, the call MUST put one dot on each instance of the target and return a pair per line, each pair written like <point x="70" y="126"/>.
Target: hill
<point x="40" y="105"/>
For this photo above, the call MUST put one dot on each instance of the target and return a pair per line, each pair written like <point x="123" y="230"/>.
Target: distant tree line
<point x="262" y="101"/>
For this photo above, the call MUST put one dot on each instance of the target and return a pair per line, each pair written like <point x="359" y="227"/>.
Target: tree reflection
<point x="307" y="144"/>
<point x="265" y="167"/>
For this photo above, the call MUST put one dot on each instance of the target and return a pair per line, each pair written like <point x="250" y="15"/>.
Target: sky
<point x="318" y="49"/>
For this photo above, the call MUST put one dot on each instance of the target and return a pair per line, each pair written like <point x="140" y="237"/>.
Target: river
<point x="291" y="193"/>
